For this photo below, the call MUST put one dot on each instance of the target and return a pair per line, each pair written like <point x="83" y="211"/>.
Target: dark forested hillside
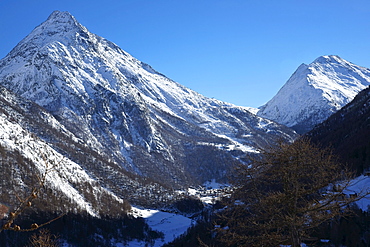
<point x="348" y="132"/>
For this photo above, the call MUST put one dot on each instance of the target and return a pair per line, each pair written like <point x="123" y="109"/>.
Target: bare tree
<point x="281" y="197"/>
<point x="44" y="239"/>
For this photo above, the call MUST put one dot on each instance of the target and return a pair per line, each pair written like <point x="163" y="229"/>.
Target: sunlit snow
<point x="315" y="91"/>
<point x="172" y="225"/>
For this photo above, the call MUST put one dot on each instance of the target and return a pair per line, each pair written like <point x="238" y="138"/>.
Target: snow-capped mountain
<point x="78" y="180"/>
<point x="125" y="111"/>
<point x="316" y="91"/>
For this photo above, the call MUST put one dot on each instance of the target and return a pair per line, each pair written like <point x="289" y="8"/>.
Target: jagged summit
<point x="58" y="23"/>
<point x="315" y="91"/>
<point x="61" y="16"/>
<point x="62" y="23"/>
<point x="329" y="59"/>
<point x="59" y="26"/>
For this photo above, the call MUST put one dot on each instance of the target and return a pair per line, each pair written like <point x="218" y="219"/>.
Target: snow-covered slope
<point x="25" y="157"/>
<point x="315" y="91"/>
<point x="126" y="111"/>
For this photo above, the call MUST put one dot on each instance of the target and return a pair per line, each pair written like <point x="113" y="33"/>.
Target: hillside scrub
<point x="283" y="196"/>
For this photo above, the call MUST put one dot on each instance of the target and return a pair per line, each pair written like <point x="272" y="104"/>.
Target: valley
<point x="132" y="149"/>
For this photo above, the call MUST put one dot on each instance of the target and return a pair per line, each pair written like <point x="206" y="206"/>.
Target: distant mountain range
<point x="316" y="91"/>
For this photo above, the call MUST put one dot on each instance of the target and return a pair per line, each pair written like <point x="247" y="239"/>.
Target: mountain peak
<point x="59" y="26"/>
<point x="62" y="15"/>
<point x="125" y="110"/>
<point x="328" y="59"/>
<point x="59" y="22"/>
<point x="315" y="91"/>
<point x="61" y="18"/>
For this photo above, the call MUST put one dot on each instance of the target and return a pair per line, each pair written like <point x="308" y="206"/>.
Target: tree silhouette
<point x="281" y="197"/>
<point x="44" y="239"/>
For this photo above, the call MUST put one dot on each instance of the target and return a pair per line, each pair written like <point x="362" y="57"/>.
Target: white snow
<point x="172" y="225"/>
<point x="315" y="91"/>
<point x="252" y="110"/>
<point x="359" y="186"/>
<point x="64" y="172"/>
<point x="209" y="192"/>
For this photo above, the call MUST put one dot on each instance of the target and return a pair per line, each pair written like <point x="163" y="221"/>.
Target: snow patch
<point x="172" y="225"/>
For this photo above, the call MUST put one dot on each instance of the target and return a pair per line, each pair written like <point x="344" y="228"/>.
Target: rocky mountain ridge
<point x="125" y="124"/>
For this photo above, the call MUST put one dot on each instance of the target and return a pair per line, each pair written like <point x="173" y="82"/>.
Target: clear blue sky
<point x="238" y="51"/>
